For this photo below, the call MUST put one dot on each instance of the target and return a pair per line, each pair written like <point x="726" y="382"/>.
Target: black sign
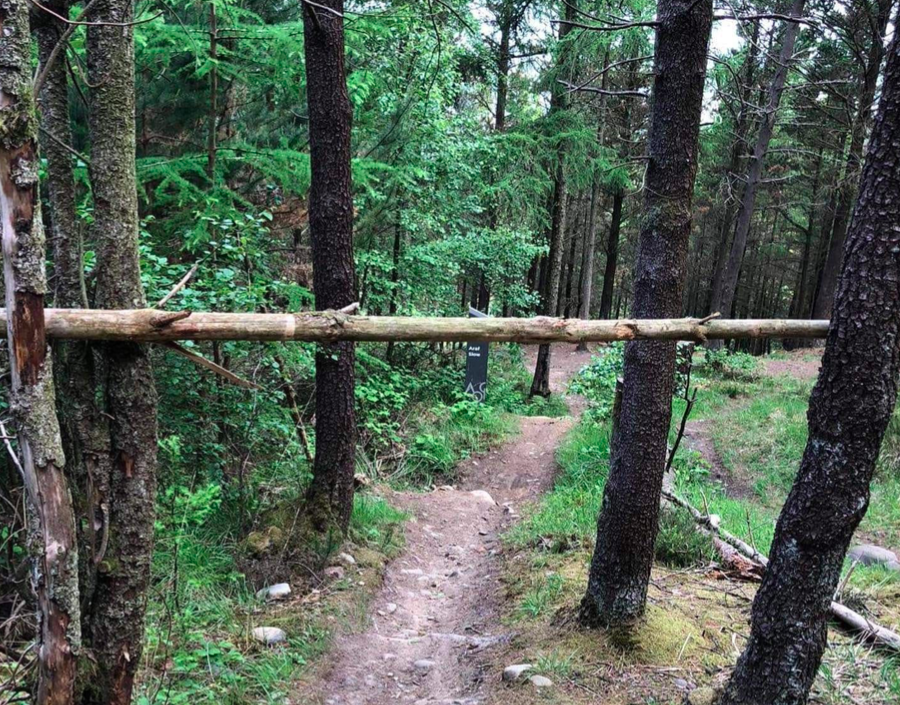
<point x="476" y="364"/>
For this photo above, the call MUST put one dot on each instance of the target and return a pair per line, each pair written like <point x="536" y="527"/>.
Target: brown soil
<point x="438" y="611"/>
<point x="799" y="364"/>
<point x="697" y="437"/>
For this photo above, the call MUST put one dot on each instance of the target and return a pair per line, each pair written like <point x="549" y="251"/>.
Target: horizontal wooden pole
<point x="150" y="325"/>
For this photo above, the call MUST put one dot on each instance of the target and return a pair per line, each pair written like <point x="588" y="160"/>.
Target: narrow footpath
<point x="438" y="612"/>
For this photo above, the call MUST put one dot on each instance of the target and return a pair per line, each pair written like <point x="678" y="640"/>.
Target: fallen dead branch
<point x="865" y="628"/>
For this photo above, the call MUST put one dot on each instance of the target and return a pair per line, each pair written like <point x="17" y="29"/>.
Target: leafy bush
<point x="597" y="381"/>
<point x="730" y="365"/>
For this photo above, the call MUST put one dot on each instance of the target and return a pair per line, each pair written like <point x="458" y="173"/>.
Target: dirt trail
<point x="438" y="610"/>
<point x="800" y="364"/>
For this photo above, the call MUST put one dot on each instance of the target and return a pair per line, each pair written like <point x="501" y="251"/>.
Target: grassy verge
<point x="199" y="645"/>
<point x="697" y="622"/>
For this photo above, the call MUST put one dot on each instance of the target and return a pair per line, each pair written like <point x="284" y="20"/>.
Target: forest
<point x="499" y="351"/>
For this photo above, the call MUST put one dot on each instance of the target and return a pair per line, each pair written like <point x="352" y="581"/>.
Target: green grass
<point x="198" y="647"/>
<point x="568" y="514"/>
<point x="545" y="588"/>
<point x="558" y="663"/>
<point x="758" y="425"/>
<point x="679" y="544"/>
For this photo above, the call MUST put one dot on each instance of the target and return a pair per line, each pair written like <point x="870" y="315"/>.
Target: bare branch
<point x="768" y="16"/>
<point x="178" y="287"/>
<point x="602" y="91"/>
<point x="79" y="23"/>
<point x="608" y="28"/>
<point x="210" y="365"/>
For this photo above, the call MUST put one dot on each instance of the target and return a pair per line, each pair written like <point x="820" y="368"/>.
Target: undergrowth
<point x="416" y="425"/>
<point x="758" y="425"/>
<point x="202" y="610"/>
<point x="440" y="425"/>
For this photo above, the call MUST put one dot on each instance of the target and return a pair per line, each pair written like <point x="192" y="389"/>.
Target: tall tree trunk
<point x="540" y="384"/>
<point x="627" y="526"/>
<point x="799" y="299"/>
<point x="330" y="495"/>
<point x="85" y="430"/>
<point x="757" y="163"/>
<point x="797" y="308"/>
<point x="565" y="303"/>
<point x="587" y="256"/>
<point x="117" y="616"/>
<point x="588" y="249"/>
<point x="822" y="246"/>
<point x="52" y="538"/>
<point x="732" y="182"/>
<point x="505" y="20"/>
<point x="395" y="274"/>
<point x="690" y="301"/>
<point x="878" y="25"/>
<point x="213" y="116"/>
<point x="849" y="410"/>
<point x="612" y="255"/>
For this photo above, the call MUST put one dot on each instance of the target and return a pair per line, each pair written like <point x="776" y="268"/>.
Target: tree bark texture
<point x="849" y="410"/>
<point x="85" y="430"/>
<point x="627" y="526"/>
<point x="757" y="162"/>
<point x="116" y="623"/>
<point x="52" y="538"/>
<point x="330" y="495"/>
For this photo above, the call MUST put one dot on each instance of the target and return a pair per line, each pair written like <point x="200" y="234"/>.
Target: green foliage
<point x="730" y="365"/>
<point x="377" y="523"/>
<point x="597" y="381"/>
<point x="567" y="516"/>
<point x="545" y="589"/>
<point x="679" y="543"/>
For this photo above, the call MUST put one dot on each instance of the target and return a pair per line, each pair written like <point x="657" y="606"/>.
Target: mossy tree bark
<point x="52" y="539"/>
<point x="627" y="526"/>
<point x="85" y="430"/>
<point x="330" y="495"/>
<point x="849" y="410"/>
<point x="116" y="624"/>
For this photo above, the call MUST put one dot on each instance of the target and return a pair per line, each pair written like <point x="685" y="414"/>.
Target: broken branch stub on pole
<point x="149" y="325"/>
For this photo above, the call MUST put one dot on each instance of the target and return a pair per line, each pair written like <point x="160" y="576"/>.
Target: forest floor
<point x="439" y="611"/>
<point x="483" y="583"/>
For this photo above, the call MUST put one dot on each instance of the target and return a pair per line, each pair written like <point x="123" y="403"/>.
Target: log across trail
<point x="152" y="325"/>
